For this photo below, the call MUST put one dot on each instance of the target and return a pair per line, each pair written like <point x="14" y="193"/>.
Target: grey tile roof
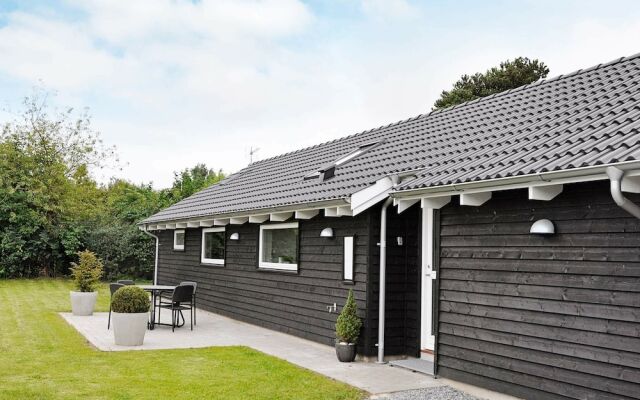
<point x="586" y="118"/>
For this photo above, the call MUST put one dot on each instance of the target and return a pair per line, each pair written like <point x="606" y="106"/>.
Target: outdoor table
<point x="155" y="290"/>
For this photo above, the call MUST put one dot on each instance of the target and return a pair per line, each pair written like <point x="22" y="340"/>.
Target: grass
<point x="42" y="357"/>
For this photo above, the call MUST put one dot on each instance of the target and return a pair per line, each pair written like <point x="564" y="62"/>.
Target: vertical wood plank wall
<point x="291" y="303"/>
<point x="542" y="317"/>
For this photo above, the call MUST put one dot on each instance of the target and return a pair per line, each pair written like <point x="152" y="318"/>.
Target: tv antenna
<point x="252" y="151"/>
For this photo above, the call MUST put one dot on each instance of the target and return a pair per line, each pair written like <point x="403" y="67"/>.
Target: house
<point x="510" y="248"/>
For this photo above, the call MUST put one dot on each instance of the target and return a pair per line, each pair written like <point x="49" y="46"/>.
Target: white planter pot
<point x="129" y="328"/>
<point x="83" y="303"/>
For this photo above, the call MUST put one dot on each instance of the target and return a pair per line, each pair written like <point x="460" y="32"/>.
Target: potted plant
<point x="129" y="315"/>
<point x="347" y="330"/>
<point x="86" y="276"/>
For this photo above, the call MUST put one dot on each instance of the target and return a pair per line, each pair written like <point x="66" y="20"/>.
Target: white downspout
<point x="155" y="268"/>
<point x="615" y="176"/>
<point x="383" y="273"/>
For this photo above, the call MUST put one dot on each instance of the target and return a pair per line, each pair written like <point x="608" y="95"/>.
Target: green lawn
<point x="42" y="357"/>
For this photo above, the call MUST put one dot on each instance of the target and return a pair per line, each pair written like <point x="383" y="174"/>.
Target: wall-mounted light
<point x="234" y="236"/>
<point x="543" y="227"/>
<point x="327" y="232"/>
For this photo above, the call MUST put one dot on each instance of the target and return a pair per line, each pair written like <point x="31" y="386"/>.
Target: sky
<point x="175" y="83"/>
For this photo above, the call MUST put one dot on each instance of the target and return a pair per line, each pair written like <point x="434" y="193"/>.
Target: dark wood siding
<point x="402" y="326"/>
<point x="542" y="317"/>
<point x="291" y="303"/>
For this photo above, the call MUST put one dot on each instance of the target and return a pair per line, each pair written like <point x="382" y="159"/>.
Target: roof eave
<point x="573" y="175"/>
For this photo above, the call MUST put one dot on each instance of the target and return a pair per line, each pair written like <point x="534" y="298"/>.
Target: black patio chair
<point x="112" y="288"/>
<point x="165" y="299"/>
<point x="195" y="288"/>
<point x="127" y="282"/>
<point x="181" y="300"/>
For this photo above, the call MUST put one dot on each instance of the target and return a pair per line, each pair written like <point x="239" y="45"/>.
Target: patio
<point x="216" y="330"/>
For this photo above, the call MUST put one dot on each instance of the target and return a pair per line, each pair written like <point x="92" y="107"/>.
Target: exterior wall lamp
<point x="543" y="227"/>
<point x="234" y="236"/>
<point x="327" y="232"/>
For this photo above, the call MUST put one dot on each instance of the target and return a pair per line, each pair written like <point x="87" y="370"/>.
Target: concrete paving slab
<point x="216" y="330"/>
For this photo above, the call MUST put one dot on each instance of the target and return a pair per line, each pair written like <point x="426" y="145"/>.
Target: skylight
<point x="327" y="171"/>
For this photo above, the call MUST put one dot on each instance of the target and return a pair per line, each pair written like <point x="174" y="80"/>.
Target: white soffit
<point x="181" y="225"/>
<point x="221" y="221"/>
<point x="345" y="211"/>
<point x="279" y="217"/>
<point x="193" y="224"/>
<point x="207" y="223"/>
<point x="435" y="202"/>
<point x="306" y="214"/>
<point x="331" y="212"/>
<point x="546" y="193"/>
<point x="238" y="220"/>
<point x="474" y="199"/>
<point x="403" y="205"/>
<point x="170" y="226"/>
<point x="258" y="219"/>
<point x="631" y="184"/>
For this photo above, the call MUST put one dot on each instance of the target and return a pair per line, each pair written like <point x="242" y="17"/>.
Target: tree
<point x="51" y="208"/>
<point x="192" y="180"/>
<point x="509" y="75"/>
<point x="43" y="184"/>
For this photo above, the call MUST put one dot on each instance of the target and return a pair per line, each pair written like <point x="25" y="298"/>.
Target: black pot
<point x="346" y="352"/>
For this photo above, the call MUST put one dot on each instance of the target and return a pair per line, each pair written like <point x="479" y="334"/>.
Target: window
<point x="213" y="246"/>
<point x="178" y="239"/>
<point x="348" y="259"/>
<point x="279" y="246"/>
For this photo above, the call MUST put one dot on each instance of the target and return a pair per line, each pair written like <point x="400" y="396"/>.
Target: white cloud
<point x="389" y="8"/>
<point x="172" y="83"/>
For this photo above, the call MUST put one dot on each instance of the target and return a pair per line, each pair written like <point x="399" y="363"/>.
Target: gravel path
<point x="437" y="393"/>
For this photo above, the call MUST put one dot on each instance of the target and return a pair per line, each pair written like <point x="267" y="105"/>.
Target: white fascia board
<point x="207" y="223"/>
<point x="575" y="175"/>
<point x="435" y="202"/>
<point x="238" y="220"/>
<point x="403" y="205"/>
<point x="170" y="226"/>
<point x="258" y="219"/>
<point x="160" y="227"/>
<point x="306" y="214"/>
<point x="152" y="227"/>
<point x="369" y="196"/>
<point x="221" y="221"/>
<point x="545" y="193"/>
<point x="193" y="224"/>
<point x="181" y="225"/>
<point x="474" y="199"/>
<point x="279" y="217"/>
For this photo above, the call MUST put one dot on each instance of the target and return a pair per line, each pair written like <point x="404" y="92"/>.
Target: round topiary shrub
<point x="130" y="299"/>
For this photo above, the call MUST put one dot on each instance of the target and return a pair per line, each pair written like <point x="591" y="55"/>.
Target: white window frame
<point x="175" y="234"/>
<point x="212" y="261"/>
<point x="272" y="265"/>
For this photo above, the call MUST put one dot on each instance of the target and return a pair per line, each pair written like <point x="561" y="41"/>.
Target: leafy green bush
<point x="87" y="272"/>
<point x="348" y="324"/>
<point x="130" y="299"/>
